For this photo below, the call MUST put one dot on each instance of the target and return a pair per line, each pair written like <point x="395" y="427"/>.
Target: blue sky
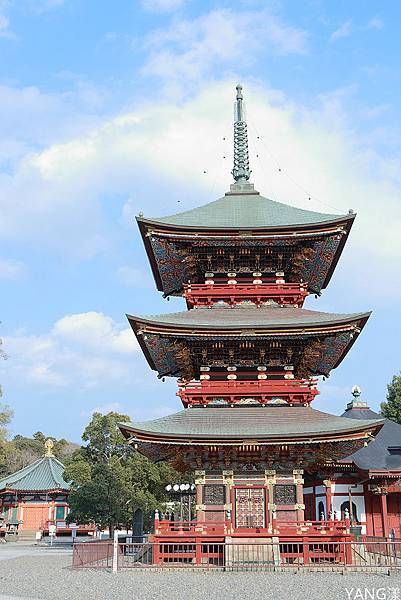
<point x="109" y="109"/>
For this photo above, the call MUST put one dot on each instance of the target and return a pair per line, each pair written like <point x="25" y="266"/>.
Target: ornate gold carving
<point x="297" y="476"/>
<point x="200" y="507"/>
<point x="199" y="477"/>
<point x="270" y="476"/>
<point x="299" y="506"/>
<point x="228" y="477"/>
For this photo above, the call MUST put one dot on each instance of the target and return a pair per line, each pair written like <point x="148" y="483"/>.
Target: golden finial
<point x="49" y="445"/>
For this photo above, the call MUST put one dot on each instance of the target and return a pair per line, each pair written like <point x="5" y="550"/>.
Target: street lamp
<point x="182" y="490"/>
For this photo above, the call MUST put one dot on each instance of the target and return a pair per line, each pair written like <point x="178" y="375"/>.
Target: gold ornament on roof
<point x="49" y="445"/>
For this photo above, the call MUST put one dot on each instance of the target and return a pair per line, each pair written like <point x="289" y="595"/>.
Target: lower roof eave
<point x="6" y="491"/>
<point x="244" y="442"/>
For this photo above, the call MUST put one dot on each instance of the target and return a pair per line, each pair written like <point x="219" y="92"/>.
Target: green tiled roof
<point x="44" y="474"/>
<point x="249" y="422"/>
<point x="247" y="210"/>
<point x="249" y="316"/>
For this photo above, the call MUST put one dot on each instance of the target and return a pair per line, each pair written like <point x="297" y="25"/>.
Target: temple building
<point x="247" y="356"/>
<point x="36" y="497"/>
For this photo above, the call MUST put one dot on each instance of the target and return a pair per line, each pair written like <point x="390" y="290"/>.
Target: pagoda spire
<point x="240" y="172"/>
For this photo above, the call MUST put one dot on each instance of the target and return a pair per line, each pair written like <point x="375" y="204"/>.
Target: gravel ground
<point x="44" y="574"/>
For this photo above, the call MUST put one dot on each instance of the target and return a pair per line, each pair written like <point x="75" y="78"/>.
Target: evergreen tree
<point x="110" y="480"/>
<point x="391" y="409"/>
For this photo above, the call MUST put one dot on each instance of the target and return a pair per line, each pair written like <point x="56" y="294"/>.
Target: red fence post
<point x="156" y="553"/>
<point x="305" y="551"/>
<point x="198" y="552"/>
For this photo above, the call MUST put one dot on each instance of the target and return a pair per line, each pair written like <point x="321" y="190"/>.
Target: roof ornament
<point x="356" y="401"/>
<point x="49" y="445"/>
<point x="240" y="172"/>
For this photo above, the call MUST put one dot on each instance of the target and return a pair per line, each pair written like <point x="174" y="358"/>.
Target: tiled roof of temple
<point x="246" y="210"/>
<point x="43" y="475"/>
<point x="250" y="316"/>
<point x="384" y="452"/>
<point x="241" y="422"/>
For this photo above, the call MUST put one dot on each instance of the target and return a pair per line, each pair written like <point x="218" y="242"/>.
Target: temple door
<point x="394" y="513"/>
<point x="34" y="516"/>
<point x="250" y="508"/>
<point x="376" y="516"/>
<point x="309" y="501"/>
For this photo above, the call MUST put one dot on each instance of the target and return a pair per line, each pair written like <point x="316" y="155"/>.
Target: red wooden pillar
<point x="329" y="498"/>
<point x="383" y="506"/>
<point x="368" y="509"/>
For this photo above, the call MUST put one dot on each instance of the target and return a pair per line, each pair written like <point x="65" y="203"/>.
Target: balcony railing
<point x="285" y="294"/>
<point x="292" y="391"/>
<point x="165" y="527"/>
<point x="282" y="528"/>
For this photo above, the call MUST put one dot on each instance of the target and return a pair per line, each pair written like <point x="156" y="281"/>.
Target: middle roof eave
<point x="248" y="318"/>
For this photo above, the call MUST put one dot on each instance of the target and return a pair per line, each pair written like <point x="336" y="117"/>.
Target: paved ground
<point x="41" y="574"/>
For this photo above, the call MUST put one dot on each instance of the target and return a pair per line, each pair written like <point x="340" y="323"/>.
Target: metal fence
<point x="363" y="555"/>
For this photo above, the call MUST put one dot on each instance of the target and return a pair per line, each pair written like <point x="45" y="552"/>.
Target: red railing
<point x="311" y="527"/>
<point x="292" y="391"/>
<point x="174" y="528"/>
<point x="210" y="528"/>
<point x="285" y="294"/>
<point x="382" y="556"/>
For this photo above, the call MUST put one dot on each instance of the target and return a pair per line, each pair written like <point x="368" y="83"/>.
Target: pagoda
<point x="247" y="356"/>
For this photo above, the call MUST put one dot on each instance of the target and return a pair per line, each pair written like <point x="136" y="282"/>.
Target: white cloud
<point x="153" y="160"/>
<point x="375" y="23"/>
<point x="5" y="31"/>
<point x="11" y="269"/>
<point x="162" y="6"/>
<point x="189" y="50"/>
<point x="85" y="350"/>
<point x="343" y="31"/>
<point x="172" y="145"/>
<point x="133" y="277"/>
<point x="95" y="330"/>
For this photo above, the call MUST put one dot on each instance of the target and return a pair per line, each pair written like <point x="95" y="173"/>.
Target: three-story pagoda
<point x="247" y="356"/>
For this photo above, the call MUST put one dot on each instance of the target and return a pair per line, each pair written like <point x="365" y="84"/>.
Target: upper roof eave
<point x="341" y="219"/>
<point x="145" y="224"/>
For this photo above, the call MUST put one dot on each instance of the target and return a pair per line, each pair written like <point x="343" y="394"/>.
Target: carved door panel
<point x="250" y="507"/>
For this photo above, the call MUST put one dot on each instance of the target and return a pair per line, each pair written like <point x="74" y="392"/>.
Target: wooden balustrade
<point x="285" y="294"/>
<point x="292" y="391"/>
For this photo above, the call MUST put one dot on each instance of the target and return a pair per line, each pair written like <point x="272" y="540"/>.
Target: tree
<point x="110" y="480"/>
<point x="5" y="417"/>
<point x="104" y="438"/>
<point x="391" y="409"/>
